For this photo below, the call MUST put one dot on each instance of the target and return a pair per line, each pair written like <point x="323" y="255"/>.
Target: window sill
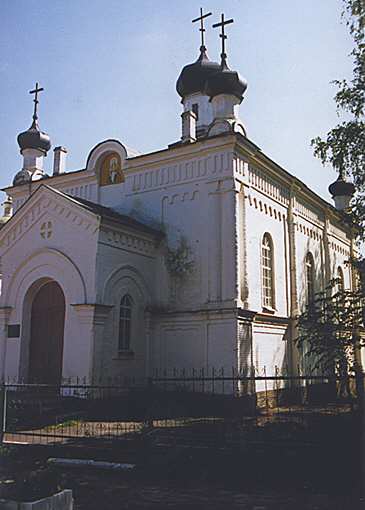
<point x="266" y="309"/>
<point x="124" y="355"/>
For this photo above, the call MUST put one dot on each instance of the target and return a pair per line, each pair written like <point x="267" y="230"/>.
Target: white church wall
<point x="309" y="239"/>
<point x="81" y="190"/>
<point x="50" y="240"/>
<point x="198" y="342"/>
<point x="265" y="216"/>
<point x="270" y="352"/>
<point x="222" y="345"/>
<point x="205" y="113"/>
<point x="339" y="251"/>
<point x="77" y="184"/>
<point x="193" y="192"/>
<point x="133" y="268"/>
<point x="111" y="195"/>
<point x="180" y="199"/>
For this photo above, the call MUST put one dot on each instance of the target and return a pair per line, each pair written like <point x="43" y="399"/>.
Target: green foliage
<point x="343" y="147"/>
<point x="330" y="329"/>
<point x="34" y="485"/>
<point x="179" y="261"/>
<point x="5" y="451"/>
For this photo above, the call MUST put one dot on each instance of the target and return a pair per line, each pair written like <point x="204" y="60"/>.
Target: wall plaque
<point x="13" y="330"/>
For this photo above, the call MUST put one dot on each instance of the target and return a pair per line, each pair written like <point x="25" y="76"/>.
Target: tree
<point x="343" y="147"/>
<point x="330" y="331"/>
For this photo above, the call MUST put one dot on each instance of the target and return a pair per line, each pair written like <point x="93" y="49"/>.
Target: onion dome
<point x="33" y="138"/>
<point x="341" y="188"/>
<point x="193" y="76"/>
<point x="225" y="81"/>
<point x="22" y="177"/>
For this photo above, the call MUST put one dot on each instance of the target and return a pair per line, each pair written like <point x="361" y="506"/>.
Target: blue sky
<point x="109" y="69"/>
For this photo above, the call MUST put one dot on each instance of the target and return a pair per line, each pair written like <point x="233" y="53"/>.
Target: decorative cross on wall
<point x="46" y="230"/>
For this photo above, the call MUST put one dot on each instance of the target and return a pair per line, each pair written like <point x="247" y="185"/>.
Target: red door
<point x="46" y="340"/>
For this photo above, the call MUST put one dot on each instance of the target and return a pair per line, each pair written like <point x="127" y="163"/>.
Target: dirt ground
<point x="184" y="481"/>
<point x="112" y="493"/>
<point x="272" y="470"/>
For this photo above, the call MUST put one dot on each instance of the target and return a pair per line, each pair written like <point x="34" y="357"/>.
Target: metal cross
<point x="201" y="18"/>
<point x="222" y="35"/>
<point x="35" y="92"/>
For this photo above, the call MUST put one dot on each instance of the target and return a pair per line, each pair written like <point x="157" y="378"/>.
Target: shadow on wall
<point x="312" y="280"/>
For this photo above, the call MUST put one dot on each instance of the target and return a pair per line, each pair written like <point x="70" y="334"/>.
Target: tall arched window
<point x="309" y="276"/>
<point x="340" y="280"/>
<point x="267" y="264"/>
<point x="125" y="323"/>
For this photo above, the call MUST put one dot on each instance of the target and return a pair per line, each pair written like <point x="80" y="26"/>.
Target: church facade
<point x="197" y="256"/>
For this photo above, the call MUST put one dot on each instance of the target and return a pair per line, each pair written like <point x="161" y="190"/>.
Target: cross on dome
<point x="34" y="138"/>
<point x="36" y="101"/>
<point x="201" y="18"/>
<point x="223" y="36"/>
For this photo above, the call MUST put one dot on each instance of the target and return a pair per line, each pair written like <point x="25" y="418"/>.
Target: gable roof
<point x="109" y="214"/>
<point x="99" y="210"/>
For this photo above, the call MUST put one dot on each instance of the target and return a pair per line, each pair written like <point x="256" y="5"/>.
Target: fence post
<point x="277" y="386"/>
<point x="266" y="393"/>
<point x="150" y="398"/>
<point x="3" y="405"/>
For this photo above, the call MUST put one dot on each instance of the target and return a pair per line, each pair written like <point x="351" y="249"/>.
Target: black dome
<point x="33" y="138"/>
<point x="226" y="81"/>
<point x="193" y="77"/>
<point x="341" y="188"/>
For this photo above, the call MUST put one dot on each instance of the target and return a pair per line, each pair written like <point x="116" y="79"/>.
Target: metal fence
<point x="189" y="406"/>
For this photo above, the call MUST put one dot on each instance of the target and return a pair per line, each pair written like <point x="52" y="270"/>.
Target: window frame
<point x="309" y="282"/>
<point x="341" y="279"/>
<point x="195" y="110"/>
<point x="125" y="323"/>
<point x="267" y="273"/>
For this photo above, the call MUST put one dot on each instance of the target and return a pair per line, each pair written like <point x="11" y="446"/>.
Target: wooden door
<point x="47" y="330"/>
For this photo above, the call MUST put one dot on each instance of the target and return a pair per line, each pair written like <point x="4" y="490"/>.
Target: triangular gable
<point x="46" y="201"/>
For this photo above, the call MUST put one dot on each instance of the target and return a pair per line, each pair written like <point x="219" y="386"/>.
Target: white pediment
<point x="43" y="211"/>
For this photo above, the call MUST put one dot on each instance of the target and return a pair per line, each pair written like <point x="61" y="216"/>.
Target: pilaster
<point x="5" y="312"/>
<point x="293" y="354"/>
<point x="241" y="233"/>
<point x="92" y="319"/>
<point x="326" y="246"/>
<point x="229" y="190"/>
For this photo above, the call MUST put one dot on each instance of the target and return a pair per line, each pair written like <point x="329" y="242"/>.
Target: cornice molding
<point x="124" y="240"/>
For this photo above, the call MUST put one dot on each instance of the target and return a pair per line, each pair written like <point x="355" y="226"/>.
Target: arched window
<point x="125" y="323"/>
<point x="267" y="264"/>
<point x="340" y="280"/>
<point x="195" y="108"/>
<point x="309" y="276"/>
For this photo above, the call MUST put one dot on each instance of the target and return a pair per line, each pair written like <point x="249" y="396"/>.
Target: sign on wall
<point x="13" y="330"/>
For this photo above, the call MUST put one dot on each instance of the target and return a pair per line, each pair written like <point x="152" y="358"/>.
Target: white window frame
<point x="267" y="272"/>
<point x="125" y="323"/>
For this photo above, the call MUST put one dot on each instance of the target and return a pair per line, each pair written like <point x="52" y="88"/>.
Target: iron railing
<point x="189" y="405"/>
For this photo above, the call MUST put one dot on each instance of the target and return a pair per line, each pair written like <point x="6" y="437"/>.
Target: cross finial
<point x="35" y="92"/>
<point x="201" y="18"/>
<point x="223" y="36"/>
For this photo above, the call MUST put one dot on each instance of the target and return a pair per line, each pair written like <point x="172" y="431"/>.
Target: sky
<point x="109" y="69"/>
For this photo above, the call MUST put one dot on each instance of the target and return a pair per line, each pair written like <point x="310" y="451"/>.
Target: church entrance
<point x="46" y="335"/>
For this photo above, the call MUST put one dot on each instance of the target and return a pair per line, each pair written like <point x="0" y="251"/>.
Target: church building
<point x="196" y="256"/>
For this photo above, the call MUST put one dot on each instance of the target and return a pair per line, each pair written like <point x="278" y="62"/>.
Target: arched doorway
<point x="46" y="334"/>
